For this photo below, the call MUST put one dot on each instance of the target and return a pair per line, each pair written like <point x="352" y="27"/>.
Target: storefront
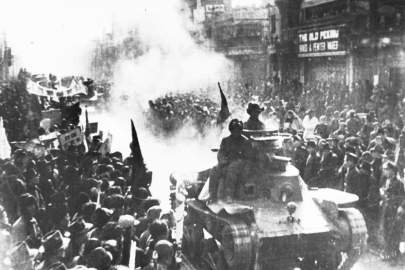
<point x="323" y="55"/>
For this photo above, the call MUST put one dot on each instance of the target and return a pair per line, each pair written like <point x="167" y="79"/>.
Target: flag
<point x="87" y="128"/>
<point x="224" y="112"/>
<point x="136" y="149"/>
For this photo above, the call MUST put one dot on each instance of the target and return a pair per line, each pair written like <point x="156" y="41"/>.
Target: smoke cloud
<point x="58" y="36"/>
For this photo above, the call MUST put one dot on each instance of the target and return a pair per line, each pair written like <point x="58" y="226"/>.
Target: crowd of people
<point x="87" y="208"/>
<point x="172" y="111"/>
<point x="76" y="206"/>
<point x="77" y="209"/>
<point x="357" y="153"/>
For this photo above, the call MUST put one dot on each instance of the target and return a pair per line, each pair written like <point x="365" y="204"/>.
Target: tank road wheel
<point x="356" y="239"/>
<point x="237" y="246"/>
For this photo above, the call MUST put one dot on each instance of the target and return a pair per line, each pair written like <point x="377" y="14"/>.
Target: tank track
<point x="232" y="236"/>
<point x="358" y="237"/>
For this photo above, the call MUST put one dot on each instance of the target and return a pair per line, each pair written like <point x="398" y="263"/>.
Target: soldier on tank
<point x="234" y="152"/>
<point x="253" y="123"/>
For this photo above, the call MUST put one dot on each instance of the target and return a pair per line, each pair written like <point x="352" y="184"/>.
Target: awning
<point x="312" y="3"/>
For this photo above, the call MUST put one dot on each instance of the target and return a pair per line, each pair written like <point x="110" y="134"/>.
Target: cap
<point x="79" y="226"/>
<point x="254" y="107"/>
<point x="164" y="250"/>
<point x="54" y="241"/>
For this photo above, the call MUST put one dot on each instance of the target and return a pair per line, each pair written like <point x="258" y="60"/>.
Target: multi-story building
<point x="246" y="35"/>
<point x="356" y="42"/>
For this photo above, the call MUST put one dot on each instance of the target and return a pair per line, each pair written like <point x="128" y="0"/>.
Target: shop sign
<point x="210" y="9"/>
<point x="324" y="42"/>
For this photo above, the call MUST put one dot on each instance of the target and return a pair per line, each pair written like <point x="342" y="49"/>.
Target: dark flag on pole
<point x="135" y="148"/>
<point x="87" y="128"/>
<point x="87" y="131"/>
<point x="224" y="112"/>
<point x="141" y="177"/>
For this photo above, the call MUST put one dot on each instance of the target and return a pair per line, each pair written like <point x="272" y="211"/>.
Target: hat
<point x="114" y="201"/>
<point x="154" y="212"/>
<point x="254" y="107"/>
<point x="164" y="249"/>
<point x="112" y="230"/>
<point x="140" y="193"/>
<point x="235" y="124"/>
<point x="99" y="258"/>
<point x="127" y="221"/>
<point x="311" y="144"/>
<point x="90" y="245"/>
<point x="101" y="216"/>
<point x="79" y="226"/>
<point x="54" y="241"/>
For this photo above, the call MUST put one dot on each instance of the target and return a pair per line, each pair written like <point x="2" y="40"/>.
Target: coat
<point x="311" y="169"/>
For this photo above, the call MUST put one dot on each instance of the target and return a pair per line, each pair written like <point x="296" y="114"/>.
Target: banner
<point x="73" y="137"/>
<point x="53" y="88"/>
<point x="33" y="146"/>
<point x="49" y="137"/>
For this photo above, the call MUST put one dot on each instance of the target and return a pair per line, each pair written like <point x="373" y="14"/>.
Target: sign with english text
<point x="323" y="42"/>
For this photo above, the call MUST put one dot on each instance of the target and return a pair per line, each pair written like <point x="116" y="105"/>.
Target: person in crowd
<point x="55" y="246"/>
<point x="353" y="124"/>
<point x="253" y="123"/>
<point x="309" y="124"/>
<point x="312" y="164"/>
<point x="300" y="154"/>
<point x="26" y="228"/>
<point x="393" y="194"/>
<point x="292" y="122"/>
<point x="328" y="166"/>
<point x="322" y="129"/>
<point x="234" y="152"/>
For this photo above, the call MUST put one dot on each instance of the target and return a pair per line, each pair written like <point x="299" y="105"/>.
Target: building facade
<point x="357" y="43"/>
<point x="246" y="35"/>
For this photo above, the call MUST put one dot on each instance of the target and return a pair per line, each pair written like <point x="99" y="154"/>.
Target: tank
<point x="275" y="222"/>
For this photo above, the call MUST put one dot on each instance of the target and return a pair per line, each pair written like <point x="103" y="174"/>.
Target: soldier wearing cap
<point x="328" y="165"/>
<point x="253" y="123"/>
<point x="311" y="164"/>
<point x="351" y="174"/>
<point x="300" y="154"/>
<point x="233" y="153"/>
